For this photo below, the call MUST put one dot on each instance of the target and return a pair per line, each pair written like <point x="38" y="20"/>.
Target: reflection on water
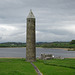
<point x="21" y="52"/>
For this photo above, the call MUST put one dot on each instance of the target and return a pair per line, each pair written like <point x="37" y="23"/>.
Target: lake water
<point x="21" y="52"/>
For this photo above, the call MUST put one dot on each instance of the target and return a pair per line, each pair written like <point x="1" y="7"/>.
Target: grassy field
<point x="18" y="66"/>
<point x="56" y="66"/>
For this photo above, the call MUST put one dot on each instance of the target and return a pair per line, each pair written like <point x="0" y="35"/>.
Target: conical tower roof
<point x="31" y="15"/>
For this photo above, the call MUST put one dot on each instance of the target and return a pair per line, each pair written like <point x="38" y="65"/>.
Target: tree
<point x="72" y="42"/>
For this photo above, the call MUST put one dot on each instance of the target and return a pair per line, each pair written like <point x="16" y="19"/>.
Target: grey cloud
<point x="0" y="38"/>
<point x="14" y="11"/>
<point x="55" y="31"/>
<point x="49" y="14"/>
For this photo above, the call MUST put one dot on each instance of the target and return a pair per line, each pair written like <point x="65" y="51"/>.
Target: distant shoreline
<point x="60" y="48"/>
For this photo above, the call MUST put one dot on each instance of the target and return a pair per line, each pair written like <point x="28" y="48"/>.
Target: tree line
<point x="41" y="44"/>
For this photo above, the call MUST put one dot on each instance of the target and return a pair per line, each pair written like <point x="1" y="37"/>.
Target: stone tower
<point x="30" y="38"/>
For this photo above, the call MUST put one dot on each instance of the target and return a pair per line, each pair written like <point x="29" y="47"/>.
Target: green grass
<point x="16" y="67"/>
<point x="56" y="66"/>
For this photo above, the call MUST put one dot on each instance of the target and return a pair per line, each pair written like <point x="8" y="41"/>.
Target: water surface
<point x="21" y="52"/>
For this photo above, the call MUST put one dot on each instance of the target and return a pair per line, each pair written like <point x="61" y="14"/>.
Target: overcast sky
<point x="55" y="20"/>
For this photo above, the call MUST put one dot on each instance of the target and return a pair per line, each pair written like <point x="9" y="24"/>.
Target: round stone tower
<point x="30" y="38"/>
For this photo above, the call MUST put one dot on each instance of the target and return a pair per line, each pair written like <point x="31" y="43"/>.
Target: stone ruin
<point x="49" y="56"/>
<point x="46" y="56"/>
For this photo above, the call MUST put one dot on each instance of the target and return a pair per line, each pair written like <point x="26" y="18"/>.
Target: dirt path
<point x="36" y="69"/>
